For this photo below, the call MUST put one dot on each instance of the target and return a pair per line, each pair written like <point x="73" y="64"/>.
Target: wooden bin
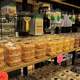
<point x="2" y="63"/>
<point x="52" y="47"/>
<point x="13" y="54"/>
<point x="77" y="42"/>
<point x="72" y="42"/>
<point x="59" y="46"/>
<point x="40" y="49"/>
<point x="66" y="45"/>
<point x="28" y="51"/>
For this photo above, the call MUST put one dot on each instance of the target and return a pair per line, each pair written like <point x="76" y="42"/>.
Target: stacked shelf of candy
<point x="40" y="48"/>
<point x="76" y="36"/>
<point x="28" y="51"/>
<point x="31" y="48"/>
<point x="12" y="54"/>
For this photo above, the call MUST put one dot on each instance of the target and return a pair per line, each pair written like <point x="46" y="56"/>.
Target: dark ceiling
<point x="75" y="2"/>
<point x="64" y="7"/>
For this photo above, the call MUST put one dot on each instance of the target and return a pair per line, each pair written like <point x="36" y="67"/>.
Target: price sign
<point x="59" y="58"/>
<point x="3" y="76"/>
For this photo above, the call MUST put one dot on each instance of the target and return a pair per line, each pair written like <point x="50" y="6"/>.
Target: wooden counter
<point x="9" y="69"/>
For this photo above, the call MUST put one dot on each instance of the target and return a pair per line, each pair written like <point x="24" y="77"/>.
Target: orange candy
<point x="3" y="76"/>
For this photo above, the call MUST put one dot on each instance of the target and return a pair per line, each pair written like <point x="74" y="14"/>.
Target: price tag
<point x="59" y="58"/>
<point x="3" y="76"/>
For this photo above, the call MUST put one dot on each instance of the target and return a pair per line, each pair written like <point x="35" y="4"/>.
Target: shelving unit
<point x="9" y="69"/>
<point x="35" y="61"/>
<point x="9" y="29"/>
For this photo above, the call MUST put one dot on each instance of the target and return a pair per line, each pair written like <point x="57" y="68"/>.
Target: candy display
<point x="31" y="48"/>
<point x="41" y="48"/>
<point x="28" y="51"/>
<point x="13" y="54"/>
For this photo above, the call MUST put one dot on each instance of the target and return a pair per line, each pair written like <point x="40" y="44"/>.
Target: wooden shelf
<point x="9" y="69"/>
<point x="78" y="49"/>
<point x="21" y="65"/>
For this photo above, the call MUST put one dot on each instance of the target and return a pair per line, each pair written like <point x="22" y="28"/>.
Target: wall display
<point x="8" y="19"/>
<point x="72" y="18"/>
<point x="9" y="9"/>
<point x="36" y="25"/>
<point x="56" y="16"/>
<point x="27" y="23"/>
<point x="66" y="21"/>
<point x="45" y="8"/>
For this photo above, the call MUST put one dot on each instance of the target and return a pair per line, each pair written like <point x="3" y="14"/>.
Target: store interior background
<point x="37" y="17"/>
<point x="31" y="8"/>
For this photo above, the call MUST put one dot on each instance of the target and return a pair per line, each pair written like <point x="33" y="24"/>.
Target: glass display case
<point x="8" y="19"/>
<point x="7" y="25"/>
